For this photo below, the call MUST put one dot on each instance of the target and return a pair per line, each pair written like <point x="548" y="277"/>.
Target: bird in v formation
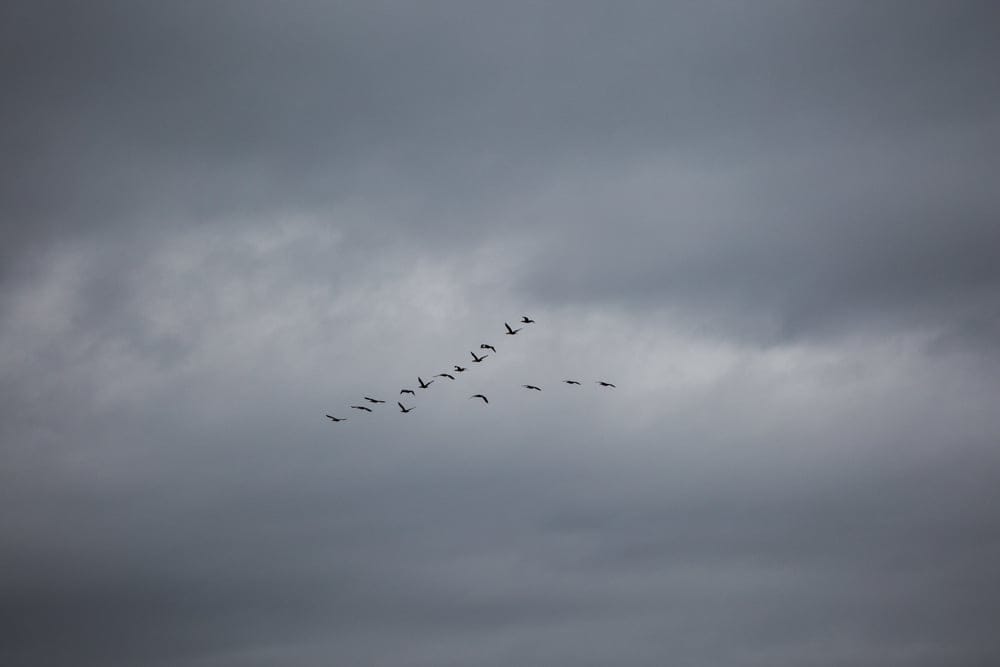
<point x="459" y="369"/>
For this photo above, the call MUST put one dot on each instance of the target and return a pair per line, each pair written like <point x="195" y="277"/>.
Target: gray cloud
<point x="773" y="226"/>
<point x="723" y="149"/>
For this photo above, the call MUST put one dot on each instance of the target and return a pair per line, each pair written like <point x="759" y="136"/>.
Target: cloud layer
<point x="772" y="226"/>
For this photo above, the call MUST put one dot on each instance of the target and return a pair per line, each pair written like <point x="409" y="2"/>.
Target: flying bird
<point x="487" y="346"/>
<point x="571" y="382"/>
<point x="373" y="400"/>
<point x="606" y="384"/>
<point x="511" y="332"/>
<point x="531" y="386"/>
<point x="485" y="400"/>
<point x="331" y="417"/>
<point x="424" y="385"/>
<point x="478" y="359"/>
<point x="459" y="369"/>
<point x="361" y="407"/>
<point x="445" y="375"/>
<point x="526" y="320"/>
<point x="404" y="409"/>
<point x="406" y="391"/>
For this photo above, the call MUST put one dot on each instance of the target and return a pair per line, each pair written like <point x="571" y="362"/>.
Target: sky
<point x="775" y="226"/>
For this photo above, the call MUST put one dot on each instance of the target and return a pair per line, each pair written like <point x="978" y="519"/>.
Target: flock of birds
<point x="476" y="359"/>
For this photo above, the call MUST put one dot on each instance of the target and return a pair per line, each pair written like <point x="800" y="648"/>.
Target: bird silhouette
<point x="404" y="409"/>
<point x="407" y="391"/>
<point x="478" y="359"/>
<point x="571" y="382"/>
<point x="424" y="385"/>
<point x="526" y="320"/>
<point x="485" y="400"/>
<point x="459" y="369"/>
<point x="373" y="400"/>
<point x="531" y="386"/>
<point x="361" y="407"/>
<point x="444" y="375"/>
<point x="606" y="384"/>
<point x="511" y="332"/>
<point x="487" y="346"/>
<point x="331" y="417"/>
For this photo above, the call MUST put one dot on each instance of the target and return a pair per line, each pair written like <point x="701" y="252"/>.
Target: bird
<point x="571" y="382"/>
<point x="445" y="375"/>
<point x="531" y="386"/>
<point x="485" y="400"/>
<point x="361" y="407"/>
<point x="404" y="409"/>
<point x="407" y="391"/>
<point x="331" y="417"/>
<point x="478" y="359"/>
<point x="459" y="369"/>
<point x="605" y="384"/>
<point x="373" y="400"/>
<point x="526" y="320"/>
<point x="424" y="385"/>
<point x="511" y="332"/>
<point x="487" y="346"/>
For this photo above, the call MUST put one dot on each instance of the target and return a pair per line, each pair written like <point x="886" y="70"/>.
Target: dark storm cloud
<point x="693" y="560"/>
<point x="722" y="149"/>
<point x="222" y="220"/>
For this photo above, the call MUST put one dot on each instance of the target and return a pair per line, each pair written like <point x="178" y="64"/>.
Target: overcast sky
<point x="775" y="226"/>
